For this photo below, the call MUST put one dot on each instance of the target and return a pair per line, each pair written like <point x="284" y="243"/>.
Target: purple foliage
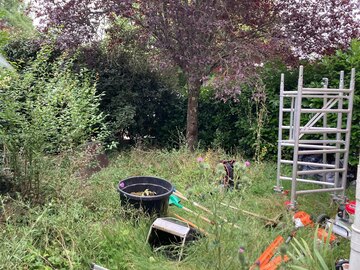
<point x="213" y="41"/>
<point x="228" y="38"/>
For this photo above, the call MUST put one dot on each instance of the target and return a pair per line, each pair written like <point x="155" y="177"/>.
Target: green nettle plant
<point x="45" y="110"/>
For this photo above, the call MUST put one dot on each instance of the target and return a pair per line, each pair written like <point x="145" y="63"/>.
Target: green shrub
<point x="139" y="103"/>
<point x="45" y="109"/>
<point x="13" y="21"/>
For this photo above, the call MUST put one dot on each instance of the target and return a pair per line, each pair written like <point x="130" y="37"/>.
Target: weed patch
<point x="84" y="222"/>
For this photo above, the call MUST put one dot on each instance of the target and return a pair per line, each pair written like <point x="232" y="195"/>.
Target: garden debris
<point x="144" y="193"/>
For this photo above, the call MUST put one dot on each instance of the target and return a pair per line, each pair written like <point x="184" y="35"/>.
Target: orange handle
<point x="274" y="263"/>
<point x="268" y="253"/>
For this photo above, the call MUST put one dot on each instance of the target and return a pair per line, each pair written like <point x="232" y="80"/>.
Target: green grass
<point x="83" y="221"/>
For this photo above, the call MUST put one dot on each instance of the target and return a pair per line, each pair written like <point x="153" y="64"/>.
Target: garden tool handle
<point x="232" y="224"/>
<point x="202" y="208"/>
<point x="252" y="214"/>
<point x="232" y="207"/>
<point x="200" y="216"/>
<point x="191" y="224"/>
<point x="181" y="196"/>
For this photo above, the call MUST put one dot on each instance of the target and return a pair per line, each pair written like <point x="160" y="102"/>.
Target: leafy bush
<point x="45" y="109"/>
<point x="139" y="102"/>
<point x="13" y="21"/>
<point x="22" y="51"/>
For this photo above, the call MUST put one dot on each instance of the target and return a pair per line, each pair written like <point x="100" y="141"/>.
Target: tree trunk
<point x="192" y="114"/>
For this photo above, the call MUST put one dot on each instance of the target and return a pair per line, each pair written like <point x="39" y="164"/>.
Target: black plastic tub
<point x="153" y="205"/>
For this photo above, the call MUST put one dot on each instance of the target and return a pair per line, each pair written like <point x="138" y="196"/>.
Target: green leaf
<point x="295" y="267"/>
<point x="321" y="260"/>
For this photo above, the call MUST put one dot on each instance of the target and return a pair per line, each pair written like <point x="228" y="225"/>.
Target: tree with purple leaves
<point x="221" y="42"/>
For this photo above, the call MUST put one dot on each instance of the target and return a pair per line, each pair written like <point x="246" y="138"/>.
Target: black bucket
<point x="154" y="205"/>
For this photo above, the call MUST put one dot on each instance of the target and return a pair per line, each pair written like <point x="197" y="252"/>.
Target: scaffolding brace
<point x="314" y="121"/>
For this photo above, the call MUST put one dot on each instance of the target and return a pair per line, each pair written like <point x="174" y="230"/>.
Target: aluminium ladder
<point x="314" y="121"/>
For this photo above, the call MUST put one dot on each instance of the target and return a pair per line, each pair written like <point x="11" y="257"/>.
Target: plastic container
<point x="154" y="205"/>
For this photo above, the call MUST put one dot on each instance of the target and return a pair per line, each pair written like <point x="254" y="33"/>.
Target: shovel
<point x="173" y="200"/>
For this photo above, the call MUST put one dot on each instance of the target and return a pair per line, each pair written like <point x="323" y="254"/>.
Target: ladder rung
<point x="307" y="181"/>
<point x="325" y="110"/>
<point x="318" y="190"/>
<point x="321" y="130"/>
<point x="285" y="93"/>
<point x="332" y="166"/>
<point x="304" y="110"/>
<point x="302" y="128"/>
<point x="317" y="95"/>
<point x="322" y="141"/>
<point x="320" y="171"/>
<point x="315" y="141"/>
<point x="316" y="146"/>
<point x="326" y="151"/>
<point x="325" y="90"/>
<point x="288" y="110"/>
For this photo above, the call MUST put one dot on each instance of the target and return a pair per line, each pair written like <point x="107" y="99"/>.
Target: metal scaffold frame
<point x="304" y="126"/>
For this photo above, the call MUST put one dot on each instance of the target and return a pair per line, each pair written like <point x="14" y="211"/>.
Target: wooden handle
<point x="180" y="195"/>
<point x="232" y="207"/>
<point x="202" y="208"/>
<point x="191" y="224"/>
<point x="252" y="214"/>
<point x="200" y="216"/>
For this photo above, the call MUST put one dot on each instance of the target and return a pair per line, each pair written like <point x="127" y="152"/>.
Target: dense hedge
<point x="143" y="105"/>
<point x="140" y="104"/>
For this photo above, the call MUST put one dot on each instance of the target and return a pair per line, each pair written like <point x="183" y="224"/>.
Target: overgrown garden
<point x="163" y="88"/>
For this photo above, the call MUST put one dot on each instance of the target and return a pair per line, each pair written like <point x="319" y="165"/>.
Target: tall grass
<point x="83" y="222"/>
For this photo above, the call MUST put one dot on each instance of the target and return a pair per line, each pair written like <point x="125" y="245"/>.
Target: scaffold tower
<point x="314" y="122"/>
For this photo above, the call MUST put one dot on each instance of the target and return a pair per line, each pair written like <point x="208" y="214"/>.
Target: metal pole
<point x="339" y="124"/>
<point x="355" y="235"/>
<point x="297" y="113"/>
<point x="326" y="83"/>
<point x="348" y="134"/>
<point x="281" y="105"/>
<point x="291" y="137"/>
<point x="318" y="190"/>
<point x="284" y="161"/>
